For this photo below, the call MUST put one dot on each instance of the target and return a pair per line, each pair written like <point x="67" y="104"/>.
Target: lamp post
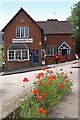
<point x="45" y="38"/>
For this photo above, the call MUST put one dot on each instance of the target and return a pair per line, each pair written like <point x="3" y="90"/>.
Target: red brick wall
<point x="10" y="32"/>
<point x="57" y="40"/>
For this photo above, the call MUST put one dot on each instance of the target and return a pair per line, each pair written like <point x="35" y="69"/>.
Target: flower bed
<point x="49" y="90"/>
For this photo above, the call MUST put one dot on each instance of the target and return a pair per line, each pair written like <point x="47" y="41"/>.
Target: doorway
<point x="64" y="51"/>
<point x="35" y="56"/>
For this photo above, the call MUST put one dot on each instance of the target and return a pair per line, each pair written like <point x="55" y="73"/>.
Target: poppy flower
<point x="51" y="71"/>
<point x="70" y="72"/>
<point x="49" y="82"/>
<point x="42" y="111"/>
<point x="48" y="71"/>
<point x="40" y="82"/>
<point x="40" y="75"/>
<point x="61" y="69"/>
<point x="65" y="76"/>
<point x="40" y="98"/>
<point x="25" y="80"/>
<point x="61" y="85"/>
<point x="43" y="94"/>
<point x="66" y="81"/>
<point x="50" y="78"/>
<point x="62" y="72"/>
<point x="35" y="91"/>
<point x="54" y="77"/>
<point x="44" y="69"/>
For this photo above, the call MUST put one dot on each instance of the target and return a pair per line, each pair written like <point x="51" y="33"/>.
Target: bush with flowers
<point x="49" y="90"/>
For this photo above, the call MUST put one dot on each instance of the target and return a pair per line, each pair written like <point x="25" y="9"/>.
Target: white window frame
<point x="60" y="52"/>
<point x="15" y="55"/>
<point x="24" y="31"/>
<point x="50" y="51"/>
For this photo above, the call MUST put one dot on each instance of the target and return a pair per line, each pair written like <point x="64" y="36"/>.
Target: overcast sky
<point x="39" y="10"/>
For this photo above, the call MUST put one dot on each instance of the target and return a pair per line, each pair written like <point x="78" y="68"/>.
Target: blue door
<point x="35" y="56"/>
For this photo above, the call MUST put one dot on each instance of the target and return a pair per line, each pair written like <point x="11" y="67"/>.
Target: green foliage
<point x="75" y="20"/>
<point x="1" y="52"/>
<point x="53" y="86"/>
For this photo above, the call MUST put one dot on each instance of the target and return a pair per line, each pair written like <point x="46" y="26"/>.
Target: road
<point x="12" y="85"/>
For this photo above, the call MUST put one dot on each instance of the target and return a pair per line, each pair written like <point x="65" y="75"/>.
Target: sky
<point x="39" y="10"/>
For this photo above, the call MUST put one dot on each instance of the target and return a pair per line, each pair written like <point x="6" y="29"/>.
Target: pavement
<point x="29" y="69"/>
<point x="64" y="108"/>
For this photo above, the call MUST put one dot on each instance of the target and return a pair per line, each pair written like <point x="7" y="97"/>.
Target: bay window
<point x="15" y="55"/>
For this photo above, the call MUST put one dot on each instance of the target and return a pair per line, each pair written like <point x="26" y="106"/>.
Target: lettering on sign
<point x="29" y="40"/>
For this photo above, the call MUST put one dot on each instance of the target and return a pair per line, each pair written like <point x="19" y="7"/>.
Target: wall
<point x="10" y="32"/>
<point x="57" y="40"/>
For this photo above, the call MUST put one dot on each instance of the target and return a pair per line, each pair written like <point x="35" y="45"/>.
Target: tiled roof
<point x="17" y="46"/>
<point x="55" y="27"/>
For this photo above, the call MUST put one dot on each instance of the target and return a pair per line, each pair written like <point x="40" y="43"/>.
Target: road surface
<point x="12" y="86"/>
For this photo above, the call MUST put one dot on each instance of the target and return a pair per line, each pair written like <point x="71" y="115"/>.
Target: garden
<point x="50" y="88"/>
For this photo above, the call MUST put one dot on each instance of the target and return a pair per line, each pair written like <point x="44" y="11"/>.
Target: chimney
<point x="52" y="20"/>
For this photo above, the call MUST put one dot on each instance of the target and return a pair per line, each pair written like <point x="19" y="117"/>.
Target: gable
<point x="64" y="45"/>
<point x="17" y="14"/>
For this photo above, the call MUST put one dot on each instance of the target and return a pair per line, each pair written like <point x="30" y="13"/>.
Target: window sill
<point x="18" y="60"/>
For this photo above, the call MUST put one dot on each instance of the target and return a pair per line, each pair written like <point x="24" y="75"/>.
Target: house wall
<point x="10" y="32"/>
<point x="57" y="40"/>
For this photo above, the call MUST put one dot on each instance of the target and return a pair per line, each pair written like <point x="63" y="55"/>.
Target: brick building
<point x="27" y="42"/>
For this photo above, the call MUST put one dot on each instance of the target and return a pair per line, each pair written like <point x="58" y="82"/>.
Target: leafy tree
<point x="75" y="20"/>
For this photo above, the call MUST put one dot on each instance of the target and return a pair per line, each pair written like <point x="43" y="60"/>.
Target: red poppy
<point x="61" y="69"/>
<point x="49" y="82"/>
<point x="50" y="78"/>
<point x="48" y="71"/>
<point x="54" y="77"/>
<point x="66" y="81"/>
<point x="51" y="71"/>
<point x="61" y="85"/>
<point x="43" y="94"/>
<point x="40" y="82"/>
<point x="65" y="76"/>
<point x="42" y="111"/>
<point x="70" y="72"/>
<point x="25" y="80"/>
<point x="40" y="75"/>
<point x="40" y="98"/>
<point x="62" y="72"/>
<point x="44" y="69"/>
<point x="35" y="91"/>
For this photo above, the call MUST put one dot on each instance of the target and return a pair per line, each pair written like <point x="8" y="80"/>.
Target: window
<point x="22" y="32"/>
<point x="11" y="55"/>
<point x="24" y="54"/>
<point x="18" y="55"/>
<point x="15" y="55"/>
<point x="50" y="51"/>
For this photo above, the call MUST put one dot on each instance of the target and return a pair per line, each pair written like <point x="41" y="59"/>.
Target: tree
<point x="75" y="21"/>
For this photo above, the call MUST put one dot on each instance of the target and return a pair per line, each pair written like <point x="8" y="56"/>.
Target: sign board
<point x="28" y="40"/>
